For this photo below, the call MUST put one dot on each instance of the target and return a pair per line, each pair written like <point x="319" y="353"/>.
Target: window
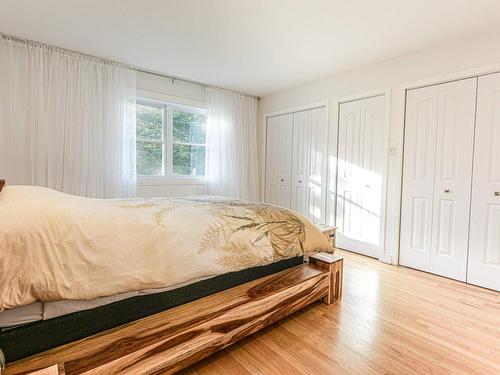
<point x="170" y="140"/>
<point x="150" y="140"/>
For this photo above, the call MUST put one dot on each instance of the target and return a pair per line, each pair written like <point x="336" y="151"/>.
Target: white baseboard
<point x="385" y="258"/>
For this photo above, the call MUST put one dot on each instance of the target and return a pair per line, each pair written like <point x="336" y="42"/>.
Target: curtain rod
<point x="109" y="61"/>
<point x="73" y="53"/>
<point x="174" y="78"/>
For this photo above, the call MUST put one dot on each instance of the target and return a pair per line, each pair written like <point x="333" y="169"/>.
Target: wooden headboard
<point x="2" y="184"/>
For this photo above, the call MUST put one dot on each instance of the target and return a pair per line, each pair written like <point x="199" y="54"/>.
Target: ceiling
<point x="254" y="46"/>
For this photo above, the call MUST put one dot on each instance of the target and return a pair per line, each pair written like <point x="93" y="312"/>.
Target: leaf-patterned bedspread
<point x="55" y="246"/>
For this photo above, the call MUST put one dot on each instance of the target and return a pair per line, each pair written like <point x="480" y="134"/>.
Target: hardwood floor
<point x="390" y="320"/>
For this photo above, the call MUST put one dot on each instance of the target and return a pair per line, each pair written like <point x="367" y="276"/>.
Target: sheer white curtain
<point x="231" y="163"/>
<point x="67" y="120"/>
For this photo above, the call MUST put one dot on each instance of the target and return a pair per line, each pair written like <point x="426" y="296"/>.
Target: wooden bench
<point x="335" y="266"/>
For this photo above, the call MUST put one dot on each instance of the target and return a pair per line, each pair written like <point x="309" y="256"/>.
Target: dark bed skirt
<point x="40" y="336"/>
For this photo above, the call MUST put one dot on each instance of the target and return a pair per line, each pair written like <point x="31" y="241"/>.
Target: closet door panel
<point x="371" y="174"/>
<point x="453" y="173"/>
<point x="418" y="177"/>
<point x="300" y="160"/>
<point x="272" y="159"/>
<point x="361" y="168"/>
<point x="316" y="178"/>
<point x="484" y="248"/>
<point x="284" y="161"/>
<point x="348" y="210"/>
<point x="278" y="160"/>
<point x="296" y="164"/>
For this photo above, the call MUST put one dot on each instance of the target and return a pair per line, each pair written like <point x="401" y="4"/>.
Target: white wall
<point x="181" y="92"/>
<point x="454" y="60"/>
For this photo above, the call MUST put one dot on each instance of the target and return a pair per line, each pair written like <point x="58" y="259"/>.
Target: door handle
<point x="497" y="193"/>
<point x="446" y="190"/>
<point x="282" y="180"/>
<point x="300" y="181"/>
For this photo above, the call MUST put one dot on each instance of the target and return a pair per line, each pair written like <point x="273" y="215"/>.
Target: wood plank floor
<point x="391" y="320"/>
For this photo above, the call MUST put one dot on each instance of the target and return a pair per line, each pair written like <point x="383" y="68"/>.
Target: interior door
<point x="300" y="162"/>
<point x="348" y="210"/>
<point x="439" y="133"/>
<point x="418" y="177"/>
<point x="484" y="248"/>
<point x="284" y="160"/>
<point x="272" y="150"/>
<point x="316" y="176"/>
<point x="278" y="160"/>
<point x="372" y="163"/>
<point x="361" y="170"/>
<point x="452" y="178"/>
<point x="309" y="164"/>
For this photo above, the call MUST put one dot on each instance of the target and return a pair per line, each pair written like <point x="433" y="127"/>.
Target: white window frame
<point x="168" y="142"/>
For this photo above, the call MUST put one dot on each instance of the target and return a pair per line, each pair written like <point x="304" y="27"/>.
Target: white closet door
<point x="278" y="160"/>
<point x="285" y="163"/>
<point x="372" y="162"/>
<point x="316" y="178"/>
<point x="348" y="210"/>
<point x="453" y="173"/>
<point x="272" y="150"/>
<point x="439" y="134"/>
<point x="361" y="167"/>
<point x="300" y="161"/>
<point x="418" y="177"/>
<point x="484" y="248"/>
<point x="309" y="164"/>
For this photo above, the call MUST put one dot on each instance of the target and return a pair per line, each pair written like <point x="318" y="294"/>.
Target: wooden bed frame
<point x="176" y="338"/>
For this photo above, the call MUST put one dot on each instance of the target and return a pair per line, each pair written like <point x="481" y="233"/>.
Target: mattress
<point x="43" y="311"/>
<point x="21" y="315"/>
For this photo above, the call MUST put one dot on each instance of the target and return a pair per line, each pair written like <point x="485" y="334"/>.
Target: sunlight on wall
<point x="316" y="186"/>
<point x="359" y="203"/>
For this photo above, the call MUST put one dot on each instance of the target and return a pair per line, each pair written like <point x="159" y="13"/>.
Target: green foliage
<point x="149" y="159"/>
<point x="149" y="122"/>
<point x="149" y="154"/>
<point x="188" y="127"/>
<point x="187" y="159"/>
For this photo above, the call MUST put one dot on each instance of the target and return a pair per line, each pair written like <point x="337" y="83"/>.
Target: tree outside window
<point x="170" y="140"/>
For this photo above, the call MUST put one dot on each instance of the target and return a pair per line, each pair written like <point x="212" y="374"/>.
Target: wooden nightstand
<point x="335" y="265"/>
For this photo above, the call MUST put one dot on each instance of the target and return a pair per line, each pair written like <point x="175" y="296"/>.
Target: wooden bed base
<point x="176" y="338"/>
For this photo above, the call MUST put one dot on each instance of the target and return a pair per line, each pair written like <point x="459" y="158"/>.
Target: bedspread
<point x="56" y="246"/>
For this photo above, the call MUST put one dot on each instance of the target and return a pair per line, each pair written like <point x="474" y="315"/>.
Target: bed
<point x="156" y="277"/>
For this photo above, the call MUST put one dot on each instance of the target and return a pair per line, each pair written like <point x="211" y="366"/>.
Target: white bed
<point x="62" y="254"/>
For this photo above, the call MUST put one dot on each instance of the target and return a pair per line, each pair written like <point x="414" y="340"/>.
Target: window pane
<point x="188" y="127"/>
<point x="149" y="159"/>
<point x="188" y="160"/>
<point x="149" y="122"/>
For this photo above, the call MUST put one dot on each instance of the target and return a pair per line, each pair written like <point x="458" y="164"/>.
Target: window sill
<point x="169" y="180"/>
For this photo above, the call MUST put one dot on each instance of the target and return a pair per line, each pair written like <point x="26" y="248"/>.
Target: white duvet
<point x="55" y="246"/>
